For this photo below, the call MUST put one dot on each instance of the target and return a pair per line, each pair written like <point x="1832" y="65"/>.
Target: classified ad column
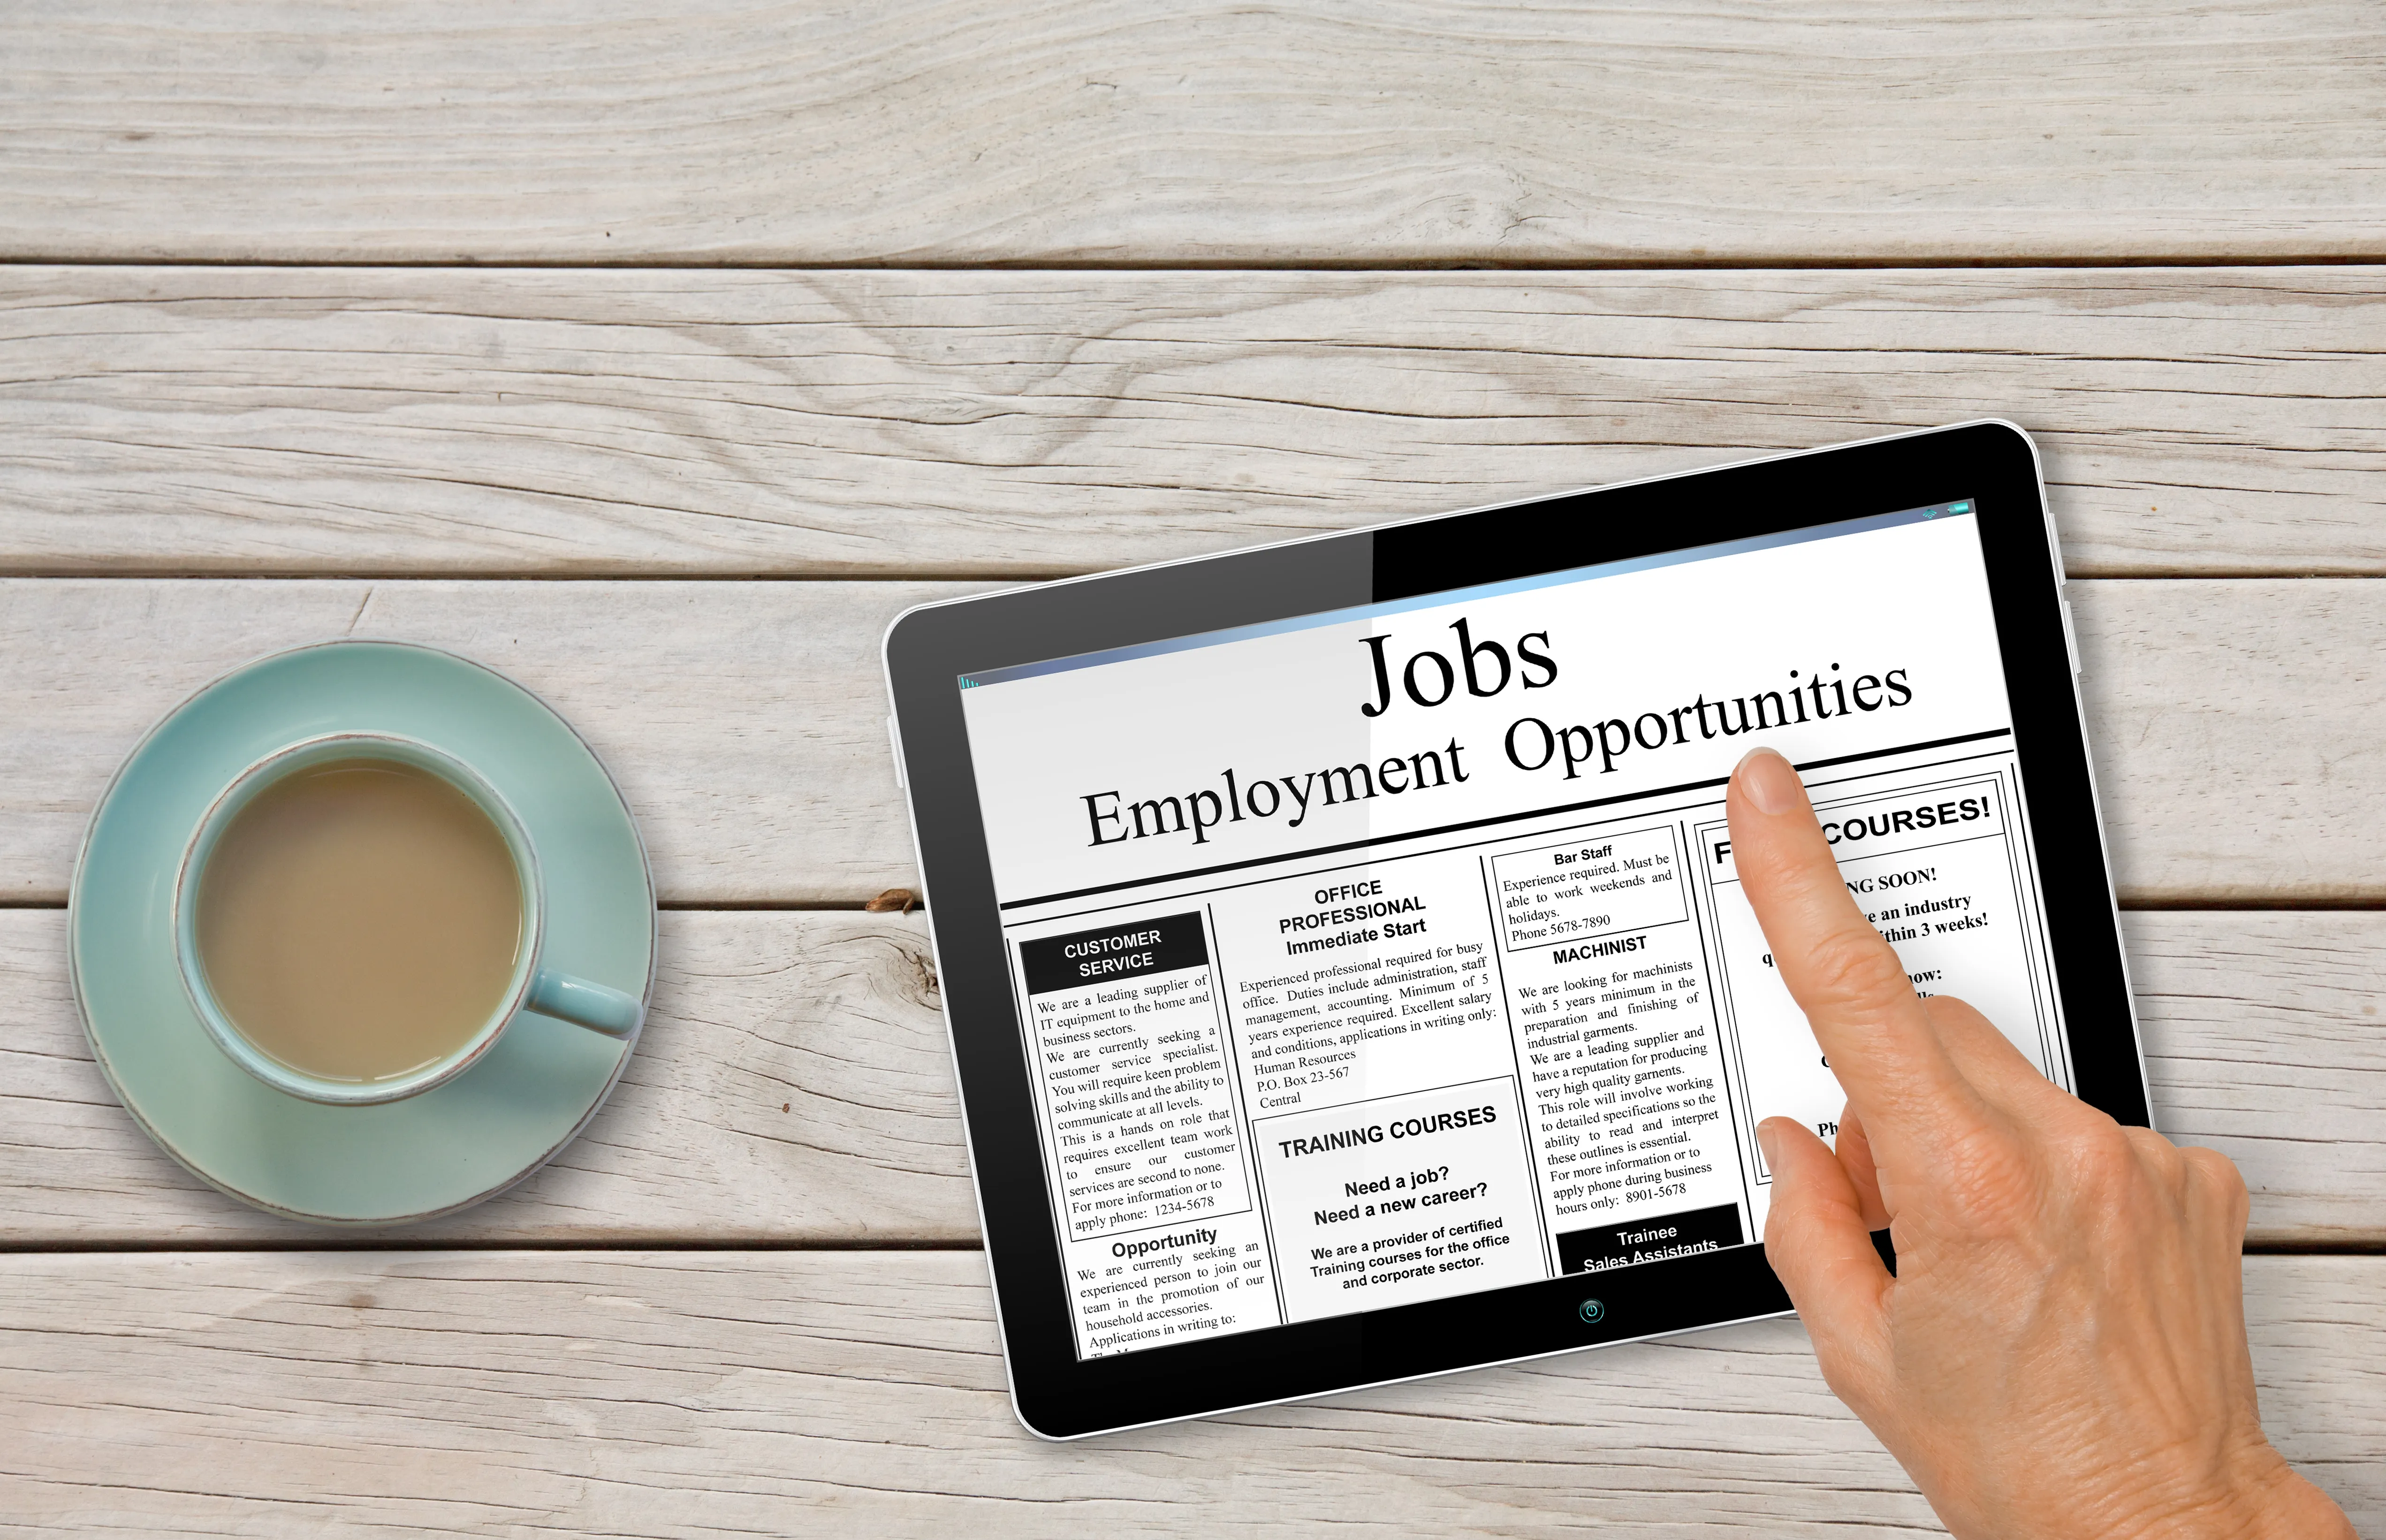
<point x="1152" y="1172"/>
<point x="1606" y="970"/>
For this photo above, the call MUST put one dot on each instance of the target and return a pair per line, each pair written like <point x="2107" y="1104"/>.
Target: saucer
<point x="430" y="1154"/>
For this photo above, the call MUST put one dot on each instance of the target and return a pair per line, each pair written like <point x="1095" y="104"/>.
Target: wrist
<point x="2289" y="1505"/>
<point x="2265" y="1499"/>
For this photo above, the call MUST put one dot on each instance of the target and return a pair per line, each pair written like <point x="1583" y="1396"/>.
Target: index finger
<point x="1847" y="980"/>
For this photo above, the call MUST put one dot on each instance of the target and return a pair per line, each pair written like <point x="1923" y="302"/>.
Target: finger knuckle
<point x="1845" y="1376"/>
<point x="1848" y="968"/>
<point x="2217" y="1176"/>
<point x="2156" y="1154"/>
<point x="2104" y="1166"/>
<point x="1989" y="1182"/>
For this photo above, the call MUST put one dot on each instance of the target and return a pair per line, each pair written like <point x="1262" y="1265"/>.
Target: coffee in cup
<point x="360" y="916"/>
<point x="359" y="919"/>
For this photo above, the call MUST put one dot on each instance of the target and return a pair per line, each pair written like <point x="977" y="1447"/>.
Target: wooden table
<point x="658" y="354"/>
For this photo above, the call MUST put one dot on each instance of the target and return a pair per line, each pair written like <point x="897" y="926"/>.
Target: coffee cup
<point x="374" y="907"/>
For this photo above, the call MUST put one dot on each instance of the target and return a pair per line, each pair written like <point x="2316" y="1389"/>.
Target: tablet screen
<point x="1393" y="953"/>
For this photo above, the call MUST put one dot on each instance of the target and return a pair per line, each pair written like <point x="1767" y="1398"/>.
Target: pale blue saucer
<point x="430" y="1154"/>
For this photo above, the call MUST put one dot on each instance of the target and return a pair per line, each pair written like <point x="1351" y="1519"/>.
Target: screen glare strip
<point x="979" y="678"/>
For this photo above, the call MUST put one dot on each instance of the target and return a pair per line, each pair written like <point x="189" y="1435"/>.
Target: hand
<point x="2062" y="1351"/>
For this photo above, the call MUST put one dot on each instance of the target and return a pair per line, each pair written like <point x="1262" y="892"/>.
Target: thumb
<point x="1814" y="1237"/>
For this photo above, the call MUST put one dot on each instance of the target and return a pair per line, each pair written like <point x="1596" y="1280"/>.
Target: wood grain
<point x="253" y="422"/>
<point x="177" y="432"/>
<point x="2233" y="727"/>
<point x="794" y="1086"/>
<point x="961" y="131"/>
<point x="712" y="1393"/>
<point x="745" y="722"/>
<point x="2234" y="723"/>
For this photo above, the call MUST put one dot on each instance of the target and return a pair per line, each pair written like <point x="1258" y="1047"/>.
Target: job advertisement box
<point x="1140" y="1094"/>
<point x="1400" y="1198"/>
<point x="1609" y="884"/>
<point x="1937" y="870"/>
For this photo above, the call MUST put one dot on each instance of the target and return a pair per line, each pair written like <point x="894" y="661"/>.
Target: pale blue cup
<point x="531" y="988"/>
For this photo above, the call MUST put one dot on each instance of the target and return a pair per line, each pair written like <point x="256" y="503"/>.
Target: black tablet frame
<point x="1058" y="1395"/>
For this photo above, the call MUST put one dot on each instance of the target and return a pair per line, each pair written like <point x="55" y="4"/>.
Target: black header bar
<point x="1626" y="1243"/>
<point x="1115" y="952"/>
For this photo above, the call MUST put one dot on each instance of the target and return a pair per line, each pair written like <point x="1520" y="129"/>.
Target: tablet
<point x="1345" y="967"/>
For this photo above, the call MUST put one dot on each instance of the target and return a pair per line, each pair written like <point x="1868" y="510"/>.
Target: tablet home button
<point x="1592" y="1311"/>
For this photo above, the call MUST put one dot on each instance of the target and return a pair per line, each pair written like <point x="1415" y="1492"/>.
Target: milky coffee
<point x="359" y="919"/>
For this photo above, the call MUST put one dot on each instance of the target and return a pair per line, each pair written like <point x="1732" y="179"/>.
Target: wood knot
<point x="920" y="986"/>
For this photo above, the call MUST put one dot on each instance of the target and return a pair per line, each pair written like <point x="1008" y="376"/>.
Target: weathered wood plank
<point x="2235" y="731"/>
<point x="254" y="421"/>
<point x="2262" y="1040"/>
<point x="958" y="131"/>
<point x="719" y="1394"/>
<point x="2235" y="722"/>
<point x="745" y="722"/>
<point x="794" y="1086"/>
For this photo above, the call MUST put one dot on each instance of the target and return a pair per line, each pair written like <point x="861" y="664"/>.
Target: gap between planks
<point x="1001" y="576"/>
<point x="1556" y="266"/>
<point x="331" y="1242"/>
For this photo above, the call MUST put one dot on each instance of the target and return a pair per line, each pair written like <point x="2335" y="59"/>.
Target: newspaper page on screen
<point x="1396" y="953"/>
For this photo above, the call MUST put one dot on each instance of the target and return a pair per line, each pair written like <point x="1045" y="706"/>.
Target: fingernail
<point x="1766" y="1138"/>
<point x="1769" y="781"/>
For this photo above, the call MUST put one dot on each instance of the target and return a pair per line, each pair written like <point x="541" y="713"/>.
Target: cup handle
<point x="584" y="1004"/>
